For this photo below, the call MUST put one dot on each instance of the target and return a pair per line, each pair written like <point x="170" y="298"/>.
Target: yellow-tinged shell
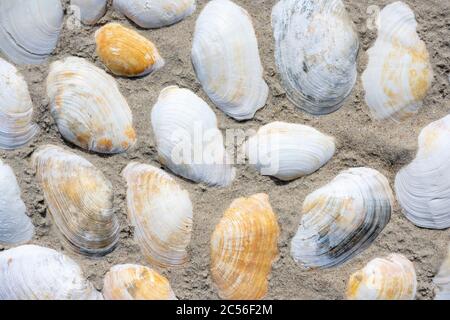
<point x="125" y="52"/>
<point x="79" y="199"/>
<point x="134" y="282"/>
<point x="161" y="213"/>
<point x="389" y="278"/>
<point x="243" y="247"/>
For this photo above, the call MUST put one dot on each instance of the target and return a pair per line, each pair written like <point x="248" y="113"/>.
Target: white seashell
<point x="226" y="59"/>
<point x="16" y="109"/>
<point x="36" y="273"/>
<point x="29" y="30"/>
<point x="79" y="199"/>
<point x="134" y="282"/>
<point x="155" y="13"/>
<point x="399" y="73"/>
<point x="288" y="151"/>
<point x="342" y="219"/>
<point x="90" y="10"/>
<point x="316" y="48"/>
<point x="390" y="278"/>
<point x="423" y="186"/>
<point x="15" y="226"/>
<point x="442" y="280"/>
<point x="188" y="140"/>
<point x="161" y="213"/>
<point x="88" y="107"/>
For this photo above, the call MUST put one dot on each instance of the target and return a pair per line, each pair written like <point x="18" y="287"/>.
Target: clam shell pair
<point x="36" y="273"/>
<point x="150" y="14"/>
<point x="161" y="213"/>
<point x="289" y="151"/>
<point x="79" y="199"/>
<point x="442" y="279"/>
<point x="243" y="247"/>
<point x="15" y="225"/>
<point x="399" y="73"/>
<point x="226" y="59"/>
<point x="125" y="52"/>
<point x="90" y="10"/>
<point x="188" y="140"/>
<point x="88" y="107"/>
<point x="29" y="30"/>
<point x="16" y="109"/>
<point x="134" y="282"/>
<point x="316" y="48"/>
<point x="342" y="219"/>
<point x="423" y="186"/>
<point x="389" y="278"/>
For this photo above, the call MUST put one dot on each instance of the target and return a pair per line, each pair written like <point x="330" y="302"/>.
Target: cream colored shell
<point x="399" y="73"/>
<point x="161" y="213"/>
<point x="389" y="278"/>
<point x="79" y="199"/>
<point x="88" y="107"/>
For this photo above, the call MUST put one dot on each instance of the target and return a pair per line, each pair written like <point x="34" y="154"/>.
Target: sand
<point x="384" y="146"/>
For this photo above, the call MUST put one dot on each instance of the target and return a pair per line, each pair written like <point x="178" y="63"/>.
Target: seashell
<point x="134" y="282"/>
<point x="88" y="107"/>
<point x="423" y="186"/>
<point x="243" y="248"/>
<point x="289" y="151"/>
<point x="442" y="280"/>
<point x="342" y="219"/>
<point x="36" y="273"/>
<point x="15" y="226"/>
<point x="188" y="140"/>
<point x="16" y="109"/>
<point x="316" y="48"/>
<point x="29" y="30"/>
<point x="155" y="13"/>
<point x="226" y="59"/>
<point x="90" y="11"/>
<point x="125" y="52"/>
<point x="80" y="200"/>
<point x="390" y="278"/>
<point x="399" y="72"/>
<point x="161" y="213"/>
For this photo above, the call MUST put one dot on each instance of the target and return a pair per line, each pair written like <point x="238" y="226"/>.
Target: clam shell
<point x="36" y="273"/>
<point x="188" y="140"/>
<point x="390" y="278"/>
<point x="316" y="49"/>
<point x="243" y="248"/>
<point x="226" y="59"/>
<point x="125" y="52"/>
<point x="134" y="282"/>
<point x="288" y="151"/>
<point x="155" y="13"/>
<point x="16" y="109"/>
<point x="15" y="226"/>
<point x="88" y="107"/>
<point x="423" y="186"/>
<point x="90" y="10"/>
<point x="442" y="280"/>
<point x="399" y="73"/>
<point x="161" y="213"/>
<point x="80" y="200"/>
<point x="29" y="30"/>
<point x="342" y="219"/>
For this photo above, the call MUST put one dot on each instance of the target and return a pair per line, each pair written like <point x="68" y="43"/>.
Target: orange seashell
<point x="243" y="248"/>
<point x="134" y="282"/>
<point x="125" y="52"/>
